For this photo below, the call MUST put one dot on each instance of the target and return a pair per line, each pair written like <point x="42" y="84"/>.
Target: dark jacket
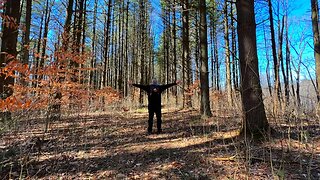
<point x="154" y="93"/>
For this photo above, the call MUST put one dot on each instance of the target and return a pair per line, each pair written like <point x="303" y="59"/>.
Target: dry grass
<point x="115" y="146"/>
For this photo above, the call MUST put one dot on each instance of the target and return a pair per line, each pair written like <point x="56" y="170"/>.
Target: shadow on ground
<point x="117" y="147"/>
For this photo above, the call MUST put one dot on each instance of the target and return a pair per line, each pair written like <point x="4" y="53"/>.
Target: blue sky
<point x="156" y="21"/>
<point x="300" y="32"/>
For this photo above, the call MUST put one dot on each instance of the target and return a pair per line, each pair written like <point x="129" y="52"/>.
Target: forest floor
<point x="116" y="146"/>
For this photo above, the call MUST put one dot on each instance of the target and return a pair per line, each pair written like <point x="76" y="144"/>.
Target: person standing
<point x="154" y="91"/>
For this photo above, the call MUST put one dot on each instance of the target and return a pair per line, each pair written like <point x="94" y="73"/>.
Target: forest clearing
<point x="159" y="89"/>
<point x="115" y="146"/>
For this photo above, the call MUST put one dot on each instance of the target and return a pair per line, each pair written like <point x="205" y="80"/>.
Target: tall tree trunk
<point x="134" y="71"/>
<point x="254" y="120"/>
<point x="77" y="43"/>
<point x="204" y="74"/>
<point x="45" y="36"/>
<point x="67" y="26"/>
<point x="235" y="67"/>
<point x="126" y="69"/>
<point x="165" y="48"/>
<point x="26" y="37"/>
<point x="174" y="32"/>
<point x="37" y="56"/>
<point x="83" y="41"/>
<point x="268" y="65"/>
<point x="111" y="61"/>
<point x="281" y="60"/>
<point x="316" y="43"/>
<point x="276" y="97"/>
<point x="197" y="52"/>
<point x="106" y="44"/>
<point x="216" y="59"/>
<point x="142" y="34"/>
<point x="287" y="89"/>
<point x="186" y="51"/>
<point x="212" y="55"/>
<point x="167" y="42"/>
<point x="93" y="46"/>
<point x="8" y="49"/>
<point x="114" y="43"/>
<point x="227" y="58"/>
<point x="120" y="44"/>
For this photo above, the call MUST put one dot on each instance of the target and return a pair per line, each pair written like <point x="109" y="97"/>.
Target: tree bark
<point x="227" y="55"/>
<point x="235" y="67"/>
<point x="174" y="32"/>
<point x="142" y="45"/>
<point x="126" y="68"/>
<point x="45" y="37"/>
<point x="276" y="97"/>
<point x="281" y="60"/>
<point x="37" y="57"/>
<point x="204" y="73"/>
<point x="8" y="50"/>
<point x="316" y="43"/>
<point x="287" y="89"/>
<point x="67" y="26"/>
<point x="106" y="42"/>
<point x="254" y="121"/>
<point x="93" y="46"/>
<point x="186" y="51"/>
<point x="26" y="37"/>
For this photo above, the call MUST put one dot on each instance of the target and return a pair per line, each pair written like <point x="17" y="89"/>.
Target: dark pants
<point x="153" y="110"/>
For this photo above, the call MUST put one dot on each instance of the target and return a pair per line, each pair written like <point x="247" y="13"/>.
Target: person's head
<point x="154" y="81"/>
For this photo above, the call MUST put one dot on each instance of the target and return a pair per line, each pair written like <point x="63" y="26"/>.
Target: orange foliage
<point x="217" y="96"/>
<point x="52" y="78"/>
<point x="193" y="87"/>
<point x="111" y="94"/>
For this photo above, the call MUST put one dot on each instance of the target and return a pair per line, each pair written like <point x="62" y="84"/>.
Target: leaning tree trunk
<point x="254" y="121"/>
<point x="204" y="73"/>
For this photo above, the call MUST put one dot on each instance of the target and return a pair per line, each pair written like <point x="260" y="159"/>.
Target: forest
<point x="237" y="81"/>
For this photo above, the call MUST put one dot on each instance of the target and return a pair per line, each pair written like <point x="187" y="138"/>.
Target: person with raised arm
<point x="154" y="91"/>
